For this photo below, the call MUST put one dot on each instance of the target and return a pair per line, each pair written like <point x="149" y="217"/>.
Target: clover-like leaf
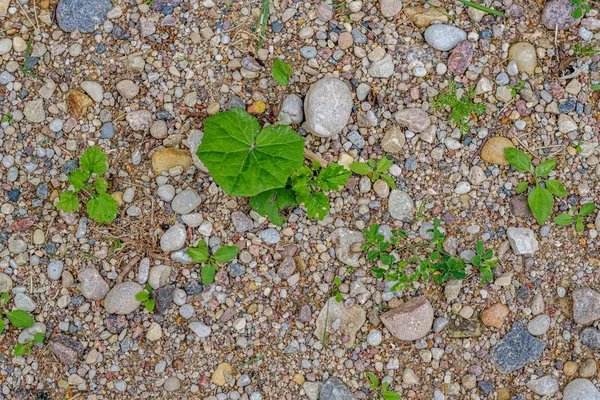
<point x="93" y="161"/>
<point x="246" y="160"/>
<point x="281" y="72"/>
<point x="517" y="158"/>
<point x="540" y="201"/>
<point x="68" y="201"/>
<point x="102" y="208"/>
<point x="150" y="304"/>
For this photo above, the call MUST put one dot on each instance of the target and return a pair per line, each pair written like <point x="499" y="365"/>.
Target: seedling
<point x="263" y="19"/>
<point x="7" y="118"/>
<point x="581" y="7"/>
<point x="381" y="389"/>
<point x="565" y="219"/>
<point x="18" y="319"/>
<point x="462" y="109"/>
<point x="337" y="294"/>
<point x="100" y="206"/>
<point x="540" y="198"/>
<point x="595" y="86"/>
<point x="425" y="259"/>
<point x="587" y="50"/>
<point x="23" y="68"/>
<point x="483" y="8"/>
<point x="211" y="263"/>
<point x="514" y="89"/>
<point x="147" y="298"/>
<point x="281" y="72"/>
<point x="27" y="347"/>
<point x="375" y="170"/>
<point x="306" y="186"/>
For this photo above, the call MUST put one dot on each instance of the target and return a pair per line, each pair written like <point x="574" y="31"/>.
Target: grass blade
<point x="483" y="8"/>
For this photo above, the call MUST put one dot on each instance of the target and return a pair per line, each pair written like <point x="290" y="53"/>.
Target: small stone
<point x="590" y="337"/>
<point x="586" y="306"/>
<point x="172" y="384"/>
<point x="34" y="111"/>
<point x="588" y="368"/>
<point x="286" y="268"/>
<point x="495" y="315"/>
<point x="461" y="57"/>
<point x="383" y="68"/>
<point x="452" y="289"/>
<point x="493" y="150"/>
<point x="270" y="236"/>
<point x="374" y="338"/>
<point x="390" y="8"/>
<point x="92" y="285"/>
<point x="516" y="349"/>
<point x="341" y="321"/>
<point x="82" y="15"/>
<point x="163" y="298"/>
<point x="423" y="17"/>
<point x="55" y="269"/>
<point x="94" y="90"/>
<point x="539" y="325"/>
<point x="524" y="55"/>
<point x="334" y="389"/>
<point x="520" y="207"/>
<point x="219" y="376"/>
<point x="174" y="238"/>
<point x="159" y="276"/>
<point x="139" y="120"/>
<point x="78" y="102"/>
<point x="241" y="222"/>
<point x="121" y="298"/>
<point x="186" y="201"/>
<point x="24" y="302"/>
<point x="200" y="329"/>
<point x="570" y="368"/>
<point x="5" y="283"/>
<point x="327" y="107"/>
<point x="411" y="320"/>
<point x="409" y="377"/>
<point x="444" y="37"/>
<point x="415" y="119"/>
<point x="522" y="241"/>
<point x="154" y="332"/>
<point x="558" y="13"/>
<point x="393" y="141"/>
<point x="566" y="123"/>
<point x="291" y="111"/>
<point x="67" y="350"/>
<point x="345" y="242"/>
<point x="400" y="205"/>
<point x="128" y="89"/>
<point x="544" y="386"/>
<point x="164" y="160"/>
<point x="580" y="389"/>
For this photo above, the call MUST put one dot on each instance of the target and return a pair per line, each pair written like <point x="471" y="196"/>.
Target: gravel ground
<point x="139" y="78"/>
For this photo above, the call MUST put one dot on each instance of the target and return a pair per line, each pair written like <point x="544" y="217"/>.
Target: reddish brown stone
<point x="461" y="57"/>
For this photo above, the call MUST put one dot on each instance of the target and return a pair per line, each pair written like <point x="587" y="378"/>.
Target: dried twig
<point x="128" y="267"/>
<point x="26" y="14"/>
<point x="315" y="157"/>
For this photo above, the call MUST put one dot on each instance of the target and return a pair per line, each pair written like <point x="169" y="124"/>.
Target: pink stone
<point x="461" y="57"/>
<point x="410" y="321"/>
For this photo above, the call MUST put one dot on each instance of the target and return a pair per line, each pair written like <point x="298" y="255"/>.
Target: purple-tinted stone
<point x="461" y="57"/>
<point x="558" y="13"/>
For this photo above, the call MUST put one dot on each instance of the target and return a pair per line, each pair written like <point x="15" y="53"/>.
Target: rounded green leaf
<point x="246" y="160"/>
<point x="556" y="187"/>
<point x="360" y="168"/>
<point x="93" y="160"/>
<point x="587" y="209"/>
<point x="20" y="319"/>
<point x="102" y="208"/>
<point x="199" y="253"/>
<point x="521" y="187"/>
<point x="540" y="201"/>
<point x="281" y="72"/>
<point x="544" y="168"/>
<point x="577" y="13"/>
<point x="150" y="304"/>
<point x="579" y="227"/>
<point x="142" y="296"/>
<point x="38" y="337"/>
<point x="68" y="201"/>
<point x="226" y="253"/>
<point x="19" y="350"/>
<point x="518" y="159"/>
<point x="563" y="219"/>
<point x="208" y="274"/>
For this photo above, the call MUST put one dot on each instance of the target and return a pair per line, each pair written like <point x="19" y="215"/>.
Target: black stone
<point x="163" y="298"/>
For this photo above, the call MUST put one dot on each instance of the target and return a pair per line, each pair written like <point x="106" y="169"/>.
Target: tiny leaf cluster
<point x="540" y="198"/>
<point x="425" y="260"/>
<point x="375" y="170"/>
<point x="18" y="319"/>
<point x="211" y="263"/>
<point x="462" y="109"/>
<point x="381" y="388"/>
<point x="566" y="219"/>
<point x="100" y="206"/>
<point x="146" y="297"/>
<point x="581" y="7"/>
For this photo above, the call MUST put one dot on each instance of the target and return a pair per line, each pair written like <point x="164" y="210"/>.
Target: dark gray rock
<point x="334" y="389"/>
<point x="516" y="349"/>
<point x="163" y="298"/>
<point x="82" y="15"/>
<point x="590" y="337"/>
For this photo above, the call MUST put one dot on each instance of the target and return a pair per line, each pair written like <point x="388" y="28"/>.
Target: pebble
<point x="516" y="349"/>
<point x="558" y="13"/>
<point x="400" y="205"/>
<point x="55" y="269"/>
<point x="586" y="306"/>
<point x="82" y="15"/>
<point x="539" y="325"/>
<point x="186" y="201"/>
<point x="174" y="238"/>
<point x="415" y="119"/>
<point x="270" y="236"/>
<point x="579" y="389"/>
<point x="390" y="8"/>
<point x="522" y="241"/>
<point x="200" y="329"/>
<point x="524" y="55"/>
<point x="444" y="37"/>
<point x="92" y="285"/>
<point x="410" y="321"/>
<point x="121" y="298"/>
<point x="327" y="107"/>
<point x="291" y="111"/>
<point x="544" y="386"/>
